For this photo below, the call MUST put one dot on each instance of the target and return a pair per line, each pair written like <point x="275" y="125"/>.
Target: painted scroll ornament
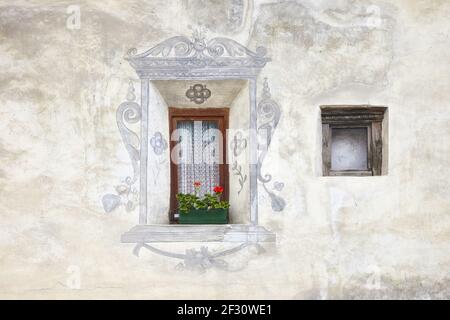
<point x="269" y="114"/>
<point x="128" y="112"/>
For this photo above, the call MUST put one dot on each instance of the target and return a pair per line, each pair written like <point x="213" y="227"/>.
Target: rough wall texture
<point x="378" y="237"/>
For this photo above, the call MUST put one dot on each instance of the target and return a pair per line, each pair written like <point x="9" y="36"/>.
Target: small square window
<point x="351" y="140"/>
<point x="349" y="149"/>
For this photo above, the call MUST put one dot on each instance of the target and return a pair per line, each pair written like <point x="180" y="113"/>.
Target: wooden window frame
<point x="193" y="114"/>
<point x="362" y="116"/>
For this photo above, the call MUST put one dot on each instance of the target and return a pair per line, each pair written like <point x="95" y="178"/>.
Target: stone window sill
<point x="198" y="233"/>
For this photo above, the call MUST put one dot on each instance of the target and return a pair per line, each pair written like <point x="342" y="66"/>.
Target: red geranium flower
<point x="197" y="184"/>
<point x="218" y="189"/>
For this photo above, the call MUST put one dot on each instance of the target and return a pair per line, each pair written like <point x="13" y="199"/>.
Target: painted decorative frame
<point x="180" y="58"/>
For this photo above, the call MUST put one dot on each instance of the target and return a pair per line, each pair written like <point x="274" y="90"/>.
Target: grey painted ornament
<point x="158" y="143"/>
<point x="269" y="115"/>
<point x="110" y="202"/>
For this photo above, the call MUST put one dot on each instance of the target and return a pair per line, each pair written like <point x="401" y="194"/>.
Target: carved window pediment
<point x="183" y="57"/>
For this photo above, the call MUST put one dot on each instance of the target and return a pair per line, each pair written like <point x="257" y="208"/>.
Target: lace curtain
<point x="198" y="156"/>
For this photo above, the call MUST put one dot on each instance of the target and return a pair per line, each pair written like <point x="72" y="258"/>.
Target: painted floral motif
<point x="237" y="171"/>
<point x="127" y="195"/>
<point x="198" y="93"/>
<point x="238" y="144"/>
<point x="158" y="143"/>
<point x="278" y="185"/>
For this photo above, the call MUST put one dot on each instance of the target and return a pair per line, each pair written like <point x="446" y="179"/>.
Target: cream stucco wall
<point x="346" y="237"/>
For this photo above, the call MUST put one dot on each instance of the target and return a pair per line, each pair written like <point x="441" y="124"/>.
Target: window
<point x="352" y="140"/>
<point x="198" y="151"/>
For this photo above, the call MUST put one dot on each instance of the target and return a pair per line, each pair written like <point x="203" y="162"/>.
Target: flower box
<point x="204" y="216"/>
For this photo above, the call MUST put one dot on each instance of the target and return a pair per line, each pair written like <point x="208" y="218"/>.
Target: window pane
<point x="349" y="149"/>
<point x="198" y="155"/>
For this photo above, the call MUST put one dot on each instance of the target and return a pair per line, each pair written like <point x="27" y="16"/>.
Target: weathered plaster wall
<point x="345" y="237"/>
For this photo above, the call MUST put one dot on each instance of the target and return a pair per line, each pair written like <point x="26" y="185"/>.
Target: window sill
<point x="351" y="173"/>
<point x="198" y="233"/>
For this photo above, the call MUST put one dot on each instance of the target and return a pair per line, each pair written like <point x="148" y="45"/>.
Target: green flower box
<point x="204" y="216"/>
